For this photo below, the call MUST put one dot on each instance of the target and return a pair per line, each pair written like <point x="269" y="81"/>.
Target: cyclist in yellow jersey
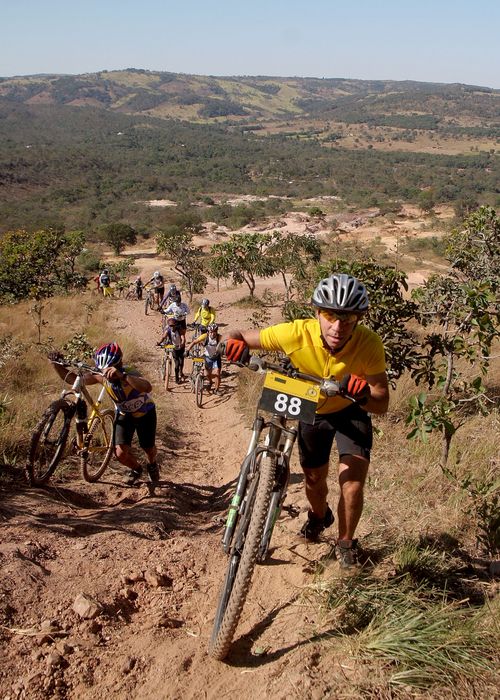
<point x="333" y="344"/>
<point x="205" y="315"/>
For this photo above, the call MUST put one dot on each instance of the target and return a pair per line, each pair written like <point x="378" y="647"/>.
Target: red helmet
<point x="109" y="355"/>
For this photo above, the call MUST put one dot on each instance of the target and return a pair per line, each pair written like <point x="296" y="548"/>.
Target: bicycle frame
<point x="79" y="390"/>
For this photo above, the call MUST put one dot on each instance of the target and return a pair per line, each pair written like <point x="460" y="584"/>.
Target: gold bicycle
<point x="93" y="441"/>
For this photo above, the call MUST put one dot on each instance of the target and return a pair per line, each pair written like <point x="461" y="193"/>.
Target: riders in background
<point x="105" y="282"/>
<point x="173" y="294"/>
<point x="135" y="410"/>
<point x="179" y="310"/>
<point x="158" y="286"/>
<point x="173" y="336"/>
<point x="212" y="353"/>
<point x="205" y="315"/>
<point x="333" y="344"/>
<point x="138" y="287"/>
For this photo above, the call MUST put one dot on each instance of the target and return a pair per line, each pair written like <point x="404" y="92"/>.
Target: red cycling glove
<point x="353" y="387"/>
<point x="237" y="350"/>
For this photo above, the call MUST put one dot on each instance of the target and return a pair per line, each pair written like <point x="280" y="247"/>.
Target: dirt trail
<point x="152" y="560"/>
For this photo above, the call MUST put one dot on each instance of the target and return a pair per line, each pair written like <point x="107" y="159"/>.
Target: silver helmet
<point x="341" y="293"/>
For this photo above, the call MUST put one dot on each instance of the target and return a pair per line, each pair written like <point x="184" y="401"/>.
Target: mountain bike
<point x="149" y="300"/>
<point x="288" y="395"/>
<point x="197" y="331"/>
<point x="134" y="293"/>
<point x="93" y="441"/>
<point x="197" y="378"/>
<point x="167" y="367"/>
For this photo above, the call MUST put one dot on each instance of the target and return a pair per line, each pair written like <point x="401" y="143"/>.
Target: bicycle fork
<point x="285" y="439"/>
<point x="236" y="506"/>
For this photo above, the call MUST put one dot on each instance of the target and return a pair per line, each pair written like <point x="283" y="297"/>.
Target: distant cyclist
<point x="138" y="288"/>
<point x="173" y="336"/>
<point x="173" y="294"/>
<point x="205" y="315"/>
<point x="158" y="286"/>
<point x="180" y="310"/>
<point x="105" y="282"/>
<point x="135" y="409"/>
<point x="212" y="352"/>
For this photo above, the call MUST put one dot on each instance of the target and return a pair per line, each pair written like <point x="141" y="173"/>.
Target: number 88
<point x="282" y="404"/>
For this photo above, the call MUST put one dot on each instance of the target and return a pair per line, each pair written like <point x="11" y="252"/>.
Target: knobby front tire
<point x="198" y="389"/>
<point x="163" y="367"/>
<point x="98" y="446"/>
<point x="147" y="305"/>
<point x="48" y="442"/>
<point x="169" y="373"/>
<point x="241" y="566"/>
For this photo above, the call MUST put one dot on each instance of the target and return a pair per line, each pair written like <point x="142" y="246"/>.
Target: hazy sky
<point x="430" y="40"/>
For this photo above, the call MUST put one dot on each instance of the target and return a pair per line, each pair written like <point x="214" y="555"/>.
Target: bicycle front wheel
<point x="169" y="372"/>
<point x="147" y="304"/>
<point x="48" y="442"/>
<point x="242" y="563"/>
<point x="198" y="389"/>
<point x="163" y="367"/>
<point x="98" y="446"/>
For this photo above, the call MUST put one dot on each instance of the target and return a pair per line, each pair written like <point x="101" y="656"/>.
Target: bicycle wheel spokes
<point x="242" y="562"/>
<point x="48" y="442"/>
<point x="98" y="446"/>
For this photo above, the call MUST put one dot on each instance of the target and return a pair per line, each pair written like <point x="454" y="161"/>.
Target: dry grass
<point x="27" y="381"/>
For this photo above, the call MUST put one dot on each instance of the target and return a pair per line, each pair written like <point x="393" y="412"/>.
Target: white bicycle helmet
<point x="156" y="274"/>
<point x="341" y="292"/>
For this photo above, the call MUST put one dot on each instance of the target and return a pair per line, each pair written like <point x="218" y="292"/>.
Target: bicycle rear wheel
<point x="242" y="562"/>
<point x="98" y="446"/>
<point x="48" y="442"/>
<point x="198" y="389"/>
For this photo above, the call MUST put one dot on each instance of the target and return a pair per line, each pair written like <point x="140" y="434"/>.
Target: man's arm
<point x="251" y="338"/>
<point x="379" y="394"/>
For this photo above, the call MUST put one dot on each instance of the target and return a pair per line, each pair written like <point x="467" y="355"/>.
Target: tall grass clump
<point x="411" y="625"/>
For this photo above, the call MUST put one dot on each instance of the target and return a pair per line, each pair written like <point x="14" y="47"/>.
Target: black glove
<point x="355" y="388"/>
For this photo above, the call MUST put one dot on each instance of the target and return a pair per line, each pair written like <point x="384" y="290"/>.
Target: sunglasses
<point x="332" y="316"/>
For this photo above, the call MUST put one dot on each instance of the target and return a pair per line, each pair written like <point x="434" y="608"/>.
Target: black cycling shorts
<point x="160" y="291"/>
<point x="145" y="426"/>
<point x="351" y="428"/>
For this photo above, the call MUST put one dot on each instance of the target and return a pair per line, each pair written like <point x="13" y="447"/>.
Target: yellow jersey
<point x="303" y="343"/>
<point x="204" y="315"/>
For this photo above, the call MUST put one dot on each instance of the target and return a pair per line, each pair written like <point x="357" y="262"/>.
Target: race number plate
<point x="291" y="398"/>
<point x="197" y="359"/>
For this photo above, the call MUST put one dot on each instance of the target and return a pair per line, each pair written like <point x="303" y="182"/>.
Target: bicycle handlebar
<point x="77" y="365"/>
<point x="328" y="386"/>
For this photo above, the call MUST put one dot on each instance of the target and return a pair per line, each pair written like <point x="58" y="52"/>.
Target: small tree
<point x="37" y="265"/>
<point x="462" y="310"/>
<point x="188" y="259"/>
<point x="291" y="254"/>
<point x="244" y="257"/>
<point x="119" y="235"/>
